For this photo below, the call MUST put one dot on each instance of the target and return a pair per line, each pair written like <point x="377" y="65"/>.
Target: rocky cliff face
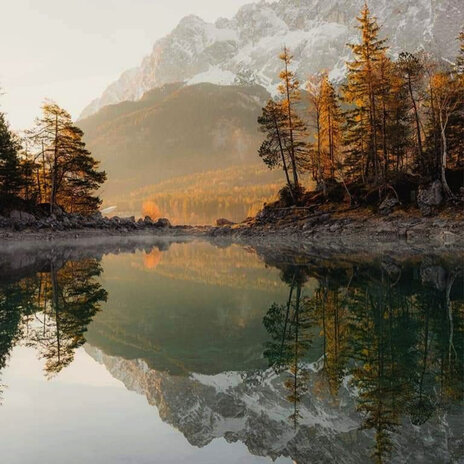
<point x="245" y="48"/>
<point x="251" y="407"/>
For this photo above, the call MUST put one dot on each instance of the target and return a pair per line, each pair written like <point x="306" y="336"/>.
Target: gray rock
<point x="21" y="216"/>
<point x="224" y="222"/>
<point x="387" y="205"/>
<point x="163" y="223"/>
<point x="429" y="197"/>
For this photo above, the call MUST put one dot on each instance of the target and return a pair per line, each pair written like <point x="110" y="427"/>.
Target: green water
<point x="196" y="353"/>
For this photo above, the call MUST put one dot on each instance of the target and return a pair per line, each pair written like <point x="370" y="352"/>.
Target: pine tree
<point x="273" y="150"/>
<point x="411" y="70"/>
<point x="460" y="59"/>
<point x="456" y="123"/>
<point x="314" y="89"/>
<point x="362" y="92"/>
<point x="289" y="90"/>
<point x="330" y="127"/>
<point x="10" y="170"/>
<point x="399" y="127"/>
<point x="70" y="171"/>
<point x="448" y="97"/>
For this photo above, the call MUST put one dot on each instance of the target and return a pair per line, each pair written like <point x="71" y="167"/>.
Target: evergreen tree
<point x="71" y="172"/>
<point x="273" y="150"/>
<point x="362" y="92"/>
<point x="314" y="89"/>
<point x="10" y="170"/>
<point x="289" y="90"/>
<point x="448" y="97"/>
<point x="456" y="123"/>
<point x="330" y="127"/>
<point x="411" y="71"/>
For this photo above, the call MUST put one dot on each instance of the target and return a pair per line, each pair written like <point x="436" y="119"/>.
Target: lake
<point x="169" y="352"/>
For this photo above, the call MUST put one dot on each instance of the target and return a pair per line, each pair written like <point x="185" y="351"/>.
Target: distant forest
<point x="233" y="193"/>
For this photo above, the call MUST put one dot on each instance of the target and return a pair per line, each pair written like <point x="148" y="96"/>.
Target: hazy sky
<point x="70" y="50"/>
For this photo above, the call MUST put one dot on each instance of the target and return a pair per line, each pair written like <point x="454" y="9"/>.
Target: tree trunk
<point x="444" y="157"/>
<point x="416" y="117"/>
<point x="55" y="169"/>
<point x="319" y="157"/>
<point x="284" y="162"/>
<point x="290" y="128"/>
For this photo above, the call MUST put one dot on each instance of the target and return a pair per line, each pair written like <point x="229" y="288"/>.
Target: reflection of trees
<point x="289" y="326"/>
<point x="67" y="300"/>
<point x="51" y="311"/>
<point x="380" y="343"/>
<point x="328" y="304"/>
<point x="11" y="298"/>
<point x="400" y="342"/>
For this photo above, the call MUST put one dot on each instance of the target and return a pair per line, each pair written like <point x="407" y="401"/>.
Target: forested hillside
<point x="234" y="193"/>
<point x="175" y="131"/>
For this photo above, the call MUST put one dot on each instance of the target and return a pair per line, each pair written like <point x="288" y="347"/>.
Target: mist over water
<point x="130" y="350"/>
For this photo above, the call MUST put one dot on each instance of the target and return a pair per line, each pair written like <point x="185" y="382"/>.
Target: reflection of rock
<point x="433" y="275"/>
<point x="251" y="407"/>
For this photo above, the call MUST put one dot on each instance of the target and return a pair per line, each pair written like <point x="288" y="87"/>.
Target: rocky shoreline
<point x="340" y="229"/>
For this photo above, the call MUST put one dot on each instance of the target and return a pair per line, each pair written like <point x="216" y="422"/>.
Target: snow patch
<point x="214" y="75"/>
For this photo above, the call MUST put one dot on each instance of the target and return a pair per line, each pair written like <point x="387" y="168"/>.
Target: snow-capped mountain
<point x="252" y="407"/>
<point x="245" y="48"/>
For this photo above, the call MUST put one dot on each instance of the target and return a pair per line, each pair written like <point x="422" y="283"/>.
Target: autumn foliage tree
<point x="67" y="173"/>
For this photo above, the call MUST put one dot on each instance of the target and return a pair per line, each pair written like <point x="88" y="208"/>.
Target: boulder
<point x="429" y="197"/>
<point x="387" y="205"/>
<point x="162" y="223"/>
<point x="21" y="216"/>
<point x="97" y="216"/>
<point x="224" y="222"/>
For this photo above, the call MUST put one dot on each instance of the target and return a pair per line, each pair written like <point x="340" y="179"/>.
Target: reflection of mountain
<point x="387" y="336"/>
<point x="200" y="309"/>
<point x="251" y="408"/>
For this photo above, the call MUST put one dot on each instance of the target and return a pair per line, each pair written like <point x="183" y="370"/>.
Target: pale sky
<point x="70" y="50"/>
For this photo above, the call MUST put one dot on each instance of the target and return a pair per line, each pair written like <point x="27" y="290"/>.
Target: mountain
<point x="245" y="48"/>
<point x="175" y="130"/>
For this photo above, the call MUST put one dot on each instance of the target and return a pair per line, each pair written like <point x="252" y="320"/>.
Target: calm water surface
<point x="194" y="353"/>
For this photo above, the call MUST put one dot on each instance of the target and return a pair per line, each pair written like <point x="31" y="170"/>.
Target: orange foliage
<point x="150" y="208"/>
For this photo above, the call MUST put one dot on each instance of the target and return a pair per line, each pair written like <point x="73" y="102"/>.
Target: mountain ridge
<point x="245" y="47"/>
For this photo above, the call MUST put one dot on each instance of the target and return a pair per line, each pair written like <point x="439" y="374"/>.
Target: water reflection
<point x="396" y="332"/>
<point x="50" y="311"/>
<point x="312" y="358"/>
